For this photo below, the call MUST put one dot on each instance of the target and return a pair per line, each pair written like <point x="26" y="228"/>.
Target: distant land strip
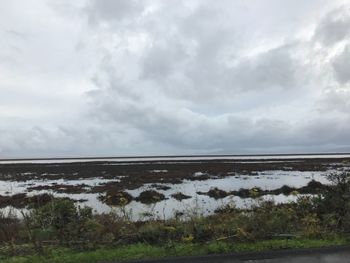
<point x="143" y="157"/>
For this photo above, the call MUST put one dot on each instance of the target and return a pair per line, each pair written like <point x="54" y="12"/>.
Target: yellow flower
<point x="123" y="201"/>
<point x="188" y="239"/>
<point x="295" y="193"/>
<point x="170" y="228"/>
<point x="254" y="192"/>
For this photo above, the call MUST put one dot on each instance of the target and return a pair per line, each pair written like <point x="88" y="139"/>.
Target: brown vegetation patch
<point x="150" y="196"/>
<point x="104" y="187"/>
<point x="139" y="173"/>
<point x="160" y="187"/>
<point x="116" y="198"/>
<point x="215" y="193"/>
<point x="17" y="200"/>
<point x="313" y="187"/>
<point x="133" y="175"/>
<point x="199" y="176"/>
<point x="23" y="201"/>
<point x="61" y="188"/>
<point x="242" y="192"/>
<point x="180" y="196"/>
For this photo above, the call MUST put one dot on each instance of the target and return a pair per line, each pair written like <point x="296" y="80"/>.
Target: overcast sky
<point x="129" y="77"/>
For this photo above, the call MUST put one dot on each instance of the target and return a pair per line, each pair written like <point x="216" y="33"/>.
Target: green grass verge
<point x="144" y="251"/>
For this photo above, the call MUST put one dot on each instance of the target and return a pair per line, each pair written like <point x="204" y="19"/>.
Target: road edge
<point x="243" y="256"/>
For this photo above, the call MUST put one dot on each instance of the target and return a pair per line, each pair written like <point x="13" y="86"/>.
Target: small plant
<point x="188" y="239"/>
<point x="255" y="192"/>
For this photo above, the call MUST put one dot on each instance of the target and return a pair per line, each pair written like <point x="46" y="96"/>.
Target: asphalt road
<point x="339" y="257"/>
<point x="320" y="255"/>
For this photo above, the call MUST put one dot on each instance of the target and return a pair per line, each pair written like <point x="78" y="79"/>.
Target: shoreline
<point x="172" y="158"/>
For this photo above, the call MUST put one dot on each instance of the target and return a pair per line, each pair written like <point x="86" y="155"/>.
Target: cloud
<point x="173" y="77"/>
<point x="334" y="27"/>
<point x="182" y="71"/>
<point x="104" y="11"/>
<point x="341" y="64"/>
<point x="272" y="69"/>
<point x="336" y="100"/>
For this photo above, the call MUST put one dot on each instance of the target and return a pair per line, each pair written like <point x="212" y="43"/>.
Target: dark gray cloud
<point x="341" y="65"/>
<point x="105" y="11"/>
<point x="163" y="61"/>
<point x="272" y="69"/>
<point x="334" y="27"/>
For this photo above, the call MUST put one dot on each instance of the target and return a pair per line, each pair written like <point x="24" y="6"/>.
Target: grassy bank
<point x="145" y="251"/>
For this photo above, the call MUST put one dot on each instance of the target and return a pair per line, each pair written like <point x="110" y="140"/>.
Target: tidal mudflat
<point x="166" y="187"/>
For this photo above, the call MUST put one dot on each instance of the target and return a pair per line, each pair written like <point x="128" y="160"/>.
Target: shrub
<point x="60" y="219"/>
<point x="311" y="226"/>
<point x="10" y="227"/>
<point x="336" y="200"/>
<point x="267" y="220"/>
<point x="158" y="233"/>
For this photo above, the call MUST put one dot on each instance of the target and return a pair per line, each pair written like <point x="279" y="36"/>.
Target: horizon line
<point x="170" y="156"/>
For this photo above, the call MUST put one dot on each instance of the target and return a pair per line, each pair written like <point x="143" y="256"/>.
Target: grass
<point x="144" y="251"/>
